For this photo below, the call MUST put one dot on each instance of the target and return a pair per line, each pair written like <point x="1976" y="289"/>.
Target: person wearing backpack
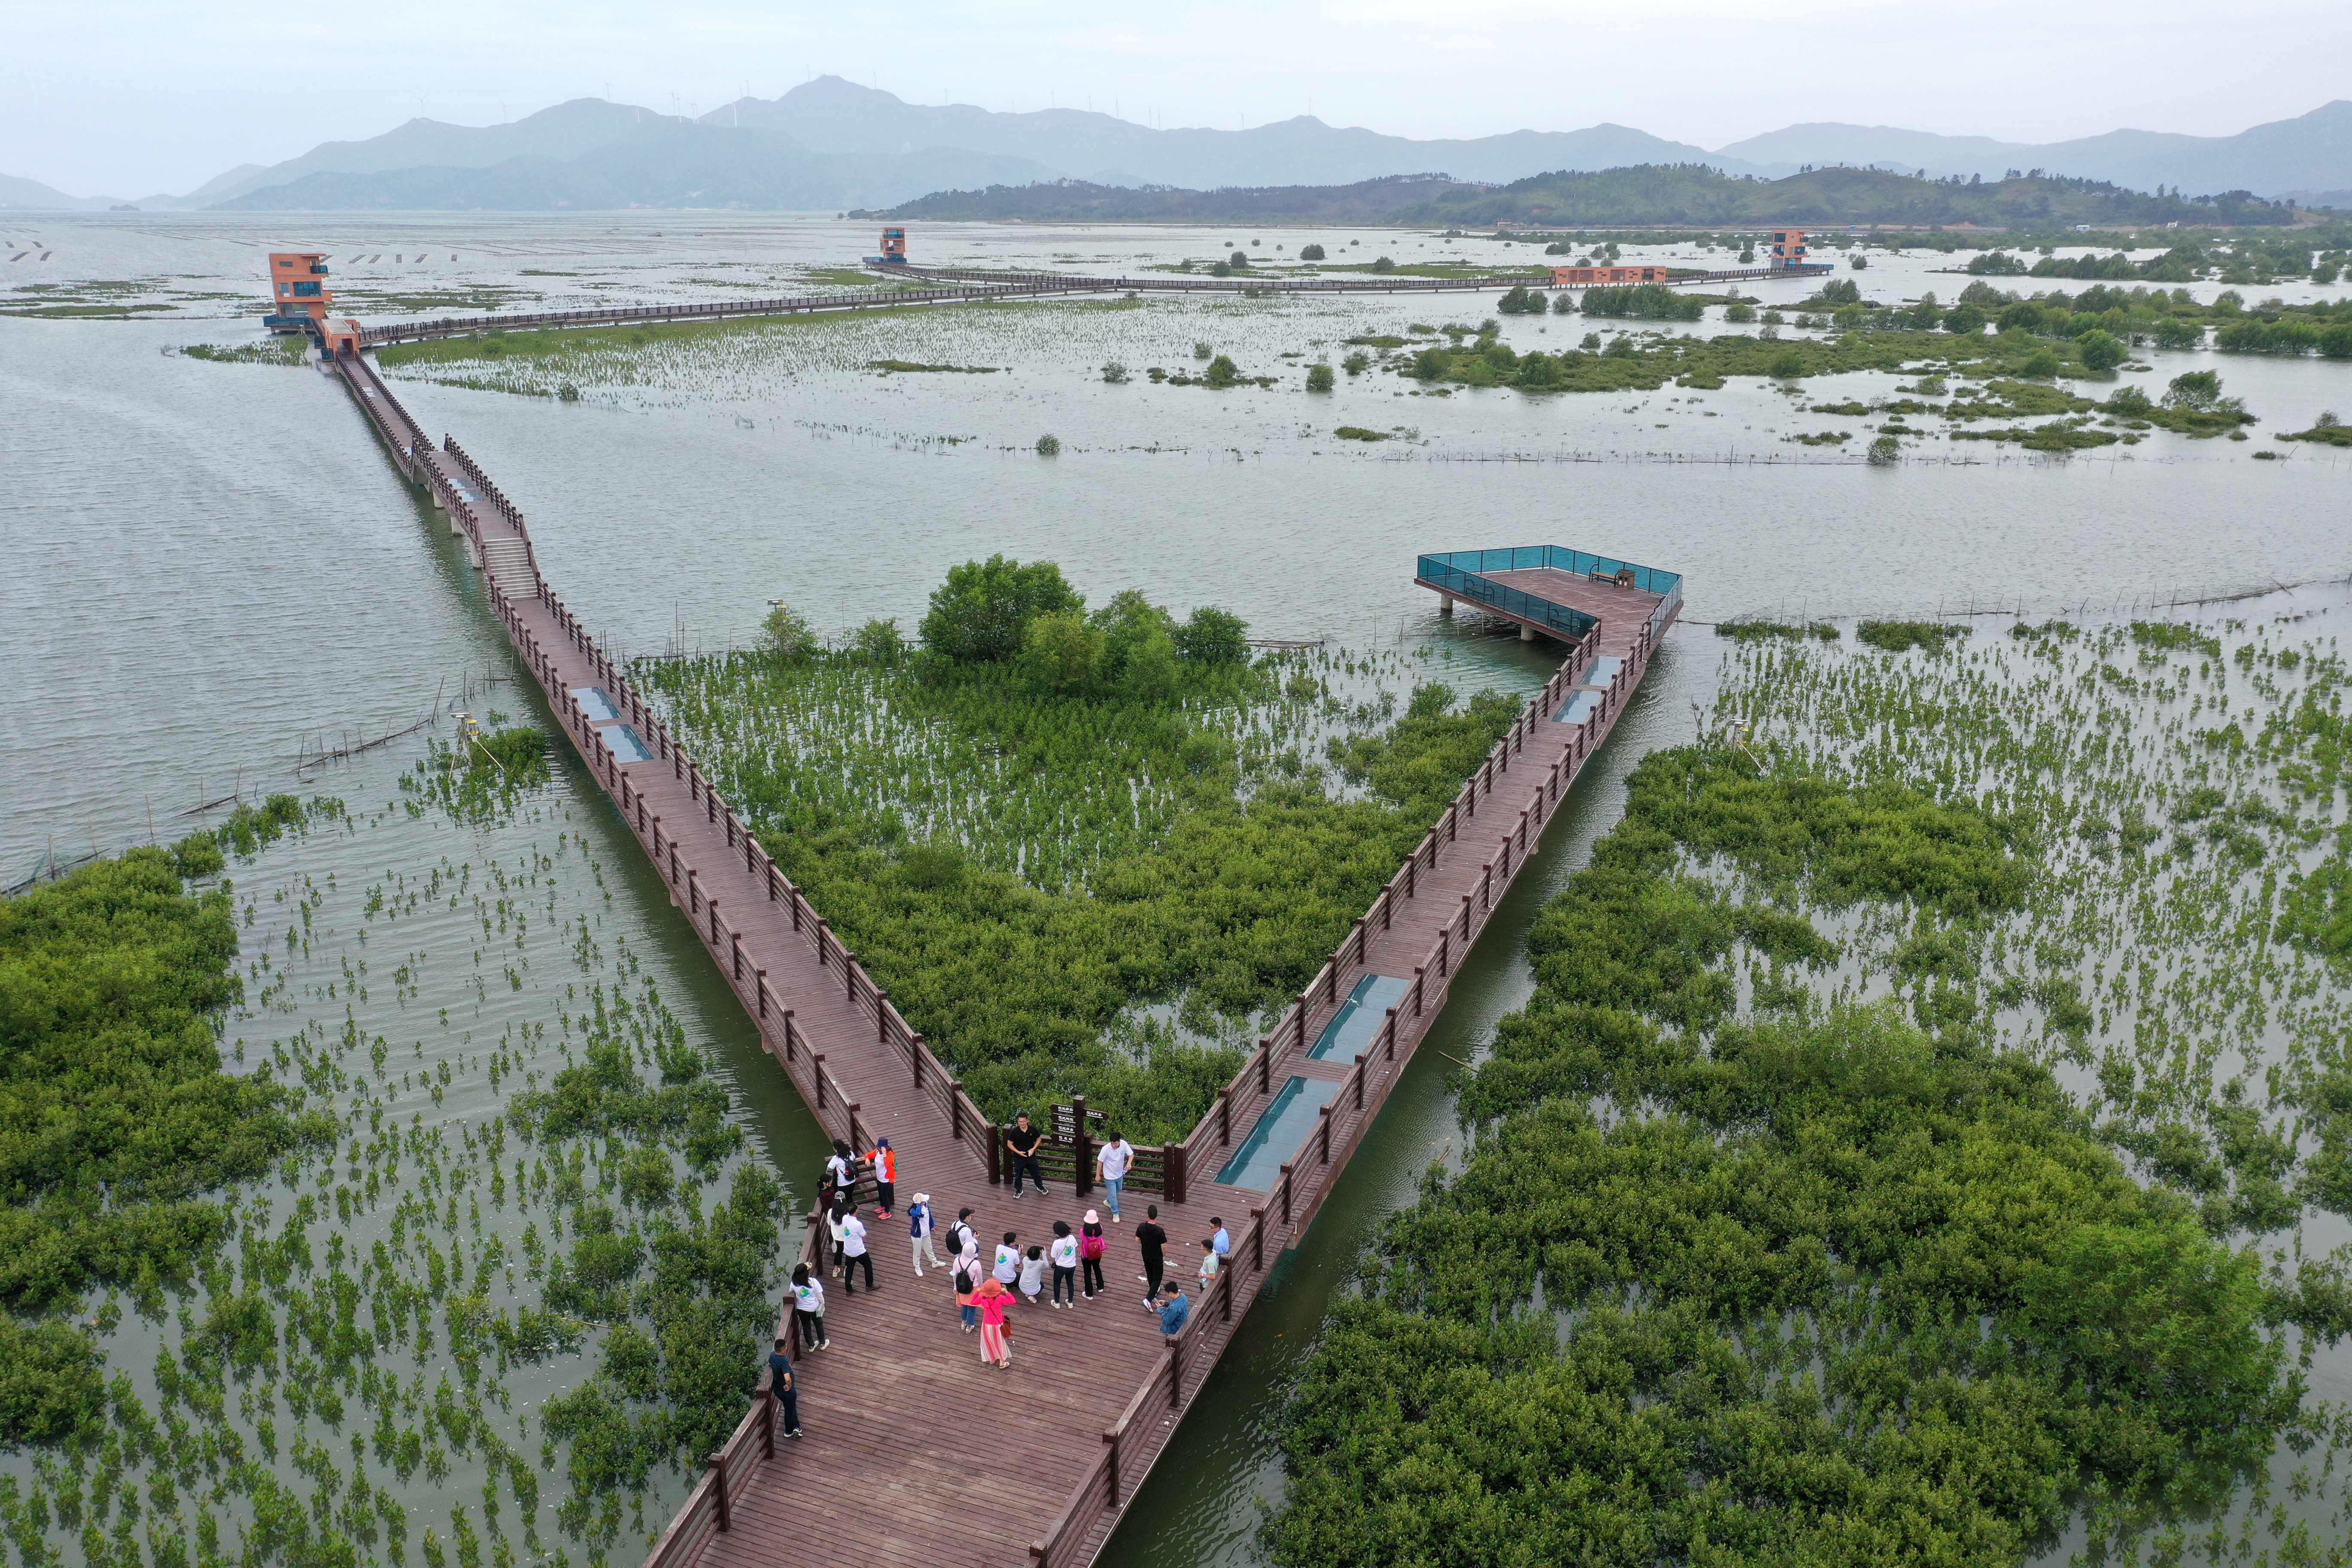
<point x="918" y="1225"/>
<point x="840" y="1177"/>
<point x="967" y="1283"/>
<point x="1090" y="1255"/>
<point x="961" y="1239"/>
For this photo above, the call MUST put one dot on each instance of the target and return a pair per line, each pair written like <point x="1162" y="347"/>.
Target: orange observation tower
<point x="299" y="295"/>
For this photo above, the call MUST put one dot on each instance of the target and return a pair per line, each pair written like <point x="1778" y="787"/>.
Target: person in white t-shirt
<point x="1063" y="1256"/>
<point x="853" y="1253"/>
<point x="1113" y="1161"/>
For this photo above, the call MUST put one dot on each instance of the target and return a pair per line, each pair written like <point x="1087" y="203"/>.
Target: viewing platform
<point x="1566" y="594"/>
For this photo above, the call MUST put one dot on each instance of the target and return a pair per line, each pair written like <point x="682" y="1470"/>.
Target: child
<point x="808" y="1309"/>
<point x="1066" y="1265"/>
<point x="1033" y="1275"/>
<point x="885" y="1176"/>
<point x="1208" y="1264"/>
<point x="1090" y="1253"/>
<point x="991" y="1299"/>
<point x="919" y="1224"/>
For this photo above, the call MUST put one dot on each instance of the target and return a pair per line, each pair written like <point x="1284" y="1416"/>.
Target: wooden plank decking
<point x="917" y="1455"/>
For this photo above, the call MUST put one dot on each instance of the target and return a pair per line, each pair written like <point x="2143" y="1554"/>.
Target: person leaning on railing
<point x="780" y="1385"/>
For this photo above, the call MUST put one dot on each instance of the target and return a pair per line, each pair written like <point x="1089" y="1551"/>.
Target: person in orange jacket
<point x="885" y="1176"/>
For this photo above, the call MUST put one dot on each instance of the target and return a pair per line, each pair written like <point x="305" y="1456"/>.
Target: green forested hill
<point x="1648" y="193"/>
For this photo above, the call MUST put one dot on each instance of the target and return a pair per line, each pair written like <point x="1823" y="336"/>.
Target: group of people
<point x="1073" y="1261"/>
<point x="1071" y="1258"/>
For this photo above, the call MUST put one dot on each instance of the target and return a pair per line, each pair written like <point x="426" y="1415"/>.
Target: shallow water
<point x="215" y="572"/>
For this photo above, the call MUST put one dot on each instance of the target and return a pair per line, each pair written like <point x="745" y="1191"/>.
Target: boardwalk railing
<point x="1131" y="1444"/>
<point x="1496" y="817"/>
<point x="1073" y="1138"/>
<point x="623" y="315"/>
<point x="978" y="285"/>
<point x="707" y="1510"/>
<point x="1385" y="283"/>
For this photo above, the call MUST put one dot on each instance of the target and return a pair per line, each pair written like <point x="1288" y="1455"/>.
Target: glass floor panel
<point x="627" y="747"/>
<point x="1577" y="708"/>
<point x="1281" y="1132"/>
<point x="594" y="703"/>
<point x="1604" y="671"/>
<point x="1360" y="1017"/>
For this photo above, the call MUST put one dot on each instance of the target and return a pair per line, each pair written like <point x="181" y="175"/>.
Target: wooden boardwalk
<point x="917" y="1455"/>
<point x="954" y="287"/>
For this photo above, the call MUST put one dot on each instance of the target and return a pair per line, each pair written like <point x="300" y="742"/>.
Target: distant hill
<point x="1081" y="201"/>
<point x="1673" y="195"/>
<point x="664" y="163"/>
<point x="565" y="131"/>
<point x="2310" y="152"/>
<point x="1685" y="193"/>
<point x="31" y="196"/>
<point x="831" y="115"/>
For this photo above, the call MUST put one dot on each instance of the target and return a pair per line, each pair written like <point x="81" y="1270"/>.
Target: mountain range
<point x="830" y="144"/>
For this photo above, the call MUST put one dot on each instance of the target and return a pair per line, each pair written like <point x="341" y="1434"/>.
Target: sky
<point x="129" y="98"/>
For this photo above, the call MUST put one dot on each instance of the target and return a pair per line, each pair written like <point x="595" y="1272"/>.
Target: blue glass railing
<point x="1464" y="583"/>
<point x="1462" y="573"/>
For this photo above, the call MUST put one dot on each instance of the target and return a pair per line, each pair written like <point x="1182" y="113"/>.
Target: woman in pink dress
<point x="993" y="1299"/>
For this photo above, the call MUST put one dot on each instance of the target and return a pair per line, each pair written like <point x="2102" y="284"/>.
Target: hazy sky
<point x="130" y="97"/>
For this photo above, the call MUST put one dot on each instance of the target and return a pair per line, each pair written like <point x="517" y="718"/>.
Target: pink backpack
<point x="1091" y="1247"/>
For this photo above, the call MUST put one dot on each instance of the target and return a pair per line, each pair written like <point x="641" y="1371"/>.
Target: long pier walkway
<point x="956" y="287"/>
<point x="916" y="1454"/>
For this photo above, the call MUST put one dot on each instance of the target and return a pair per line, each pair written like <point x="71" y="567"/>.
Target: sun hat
<point x="922" y="1197"/>
<point x="1093" y="1218"/>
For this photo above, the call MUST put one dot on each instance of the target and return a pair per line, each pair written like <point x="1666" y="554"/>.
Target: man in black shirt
<point x="1021" y="1142"/>
<point x="779" y="1383"/>
<point x="1154" y="1242"/>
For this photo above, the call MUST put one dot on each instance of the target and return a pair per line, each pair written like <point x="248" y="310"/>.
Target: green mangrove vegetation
<point x="330" y="1243"/>
<point x="279" y="348"/>
<point x="1086" y="851"/>
<point x="1905" y="1152"/>
<point x="116" y="1122"/>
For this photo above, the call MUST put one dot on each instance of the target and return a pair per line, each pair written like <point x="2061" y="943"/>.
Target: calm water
<point x="213" y="569"/>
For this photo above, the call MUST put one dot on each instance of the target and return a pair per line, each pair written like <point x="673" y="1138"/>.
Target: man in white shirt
<point x="1112" y="1163"/>
<point x="853" y="1253"/>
